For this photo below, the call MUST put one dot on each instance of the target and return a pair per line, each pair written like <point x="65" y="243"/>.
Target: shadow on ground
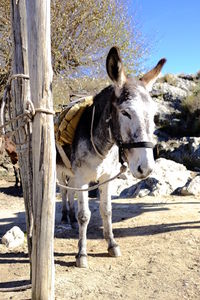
<point x="12" y="191"/>
<point x="13" y="284"/>
<point x="121" y="212"/>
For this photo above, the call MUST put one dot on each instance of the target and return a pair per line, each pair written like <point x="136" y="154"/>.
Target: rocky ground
<point x="178" y="118"/>
<point x="160" y="244"/>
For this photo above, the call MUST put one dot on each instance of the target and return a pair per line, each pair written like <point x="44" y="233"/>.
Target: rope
<point x="28" y="114"/>
<point x="44" y="111"/>
<point x="15" y="76"/>
<point x="91" y="135"/>
<point x="94" y="187"/>
<point x="3" y="107"/>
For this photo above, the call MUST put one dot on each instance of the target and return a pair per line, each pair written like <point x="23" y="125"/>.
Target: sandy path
<point x="160" y="245"/>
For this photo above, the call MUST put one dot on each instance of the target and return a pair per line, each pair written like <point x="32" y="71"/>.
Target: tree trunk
<point x="43" y="149"/>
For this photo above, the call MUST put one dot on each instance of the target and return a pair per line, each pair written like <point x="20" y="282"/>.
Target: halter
<point x="122" y="146"/>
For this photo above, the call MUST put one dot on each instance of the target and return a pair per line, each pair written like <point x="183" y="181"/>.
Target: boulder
<point x="185" y="151"/>
<point x="13" y="238"/>
<point x="125" y="180"/>
<point x="169" y="93"/>
<point x="192" y="188"/>
<point x="190" y="77"/>
<point x="172" y="92"/>
<point x="6" y="168"/>
<point x="183" y="82"/>
<point x="167" y="178"/>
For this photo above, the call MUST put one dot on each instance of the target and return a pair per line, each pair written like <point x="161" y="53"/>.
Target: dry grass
<point x="63" y="90"/>
<point x="192" y="103"/>
<point x="168" y="78"/>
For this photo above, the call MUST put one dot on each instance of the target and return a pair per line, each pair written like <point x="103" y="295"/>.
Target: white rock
<point x="193" y="188"/>
<point x="167" y="177"/>
<point x="13" y="238"/>
<point x="125" y="180"/>
<point x="170" y="173"/>
<point x="164" y="88"/>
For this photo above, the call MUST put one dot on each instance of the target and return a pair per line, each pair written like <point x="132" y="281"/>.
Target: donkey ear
<point x="150" y="77"/>
<point x="114" y="67"/>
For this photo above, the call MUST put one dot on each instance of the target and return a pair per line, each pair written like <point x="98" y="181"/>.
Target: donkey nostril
<point x="140" y="170"/>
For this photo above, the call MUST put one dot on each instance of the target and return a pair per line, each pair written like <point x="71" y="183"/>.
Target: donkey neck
<point x="101" y="130"/>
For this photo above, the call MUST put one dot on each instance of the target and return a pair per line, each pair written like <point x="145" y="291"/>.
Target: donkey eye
<point x="126" y="114"/>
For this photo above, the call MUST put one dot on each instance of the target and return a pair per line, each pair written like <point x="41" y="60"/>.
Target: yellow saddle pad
<point x="67" y="121"/>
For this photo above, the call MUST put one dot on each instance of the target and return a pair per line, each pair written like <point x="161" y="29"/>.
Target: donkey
<point x="123" y="127"/>
<point x="9" y="146"/>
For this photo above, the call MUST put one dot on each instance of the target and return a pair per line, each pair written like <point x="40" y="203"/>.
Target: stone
<point x="192" y="188"/>
<point x="169" y="93"/>
<point x="185" y="151"/>
<point x="160" y="89"/>
<point x="190" y="77"/>
<point x="13" y="238"/>
<point x="167" y="178"/>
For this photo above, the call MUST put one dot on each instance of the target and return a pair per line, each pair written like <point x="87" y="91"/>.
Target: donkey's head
<point x="133" y="114"/>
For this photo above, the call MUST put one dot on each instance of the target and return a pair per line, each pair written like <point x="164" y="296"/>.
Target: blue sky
<point x="174" y="26"/>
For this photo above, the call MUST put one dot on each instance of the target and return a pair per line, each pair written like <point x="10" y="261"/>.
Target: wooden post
<point x="21" y="93"/>
<point x="37" y="166"/>
<point x="43" y="153"/>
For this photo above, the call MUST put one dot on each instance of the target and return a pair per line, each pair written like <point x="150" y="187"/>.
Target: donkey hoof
<point x="114" y="251"/>
<point x="81" y="261"/>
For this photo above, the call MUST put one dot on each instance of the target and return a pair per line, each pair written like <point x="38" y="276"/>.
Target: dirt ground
<point x="160" y="244"/>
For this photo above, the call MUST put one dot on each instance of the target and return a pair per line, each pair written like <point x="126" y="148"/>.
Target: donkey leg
<point x="83" y="220"/>
<point x="72" y="214"/>
<point x="65" y="211"/>
<point x="106" y="214"/>
<point x="16" y="176"/>
<point x="62" y="179"/>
